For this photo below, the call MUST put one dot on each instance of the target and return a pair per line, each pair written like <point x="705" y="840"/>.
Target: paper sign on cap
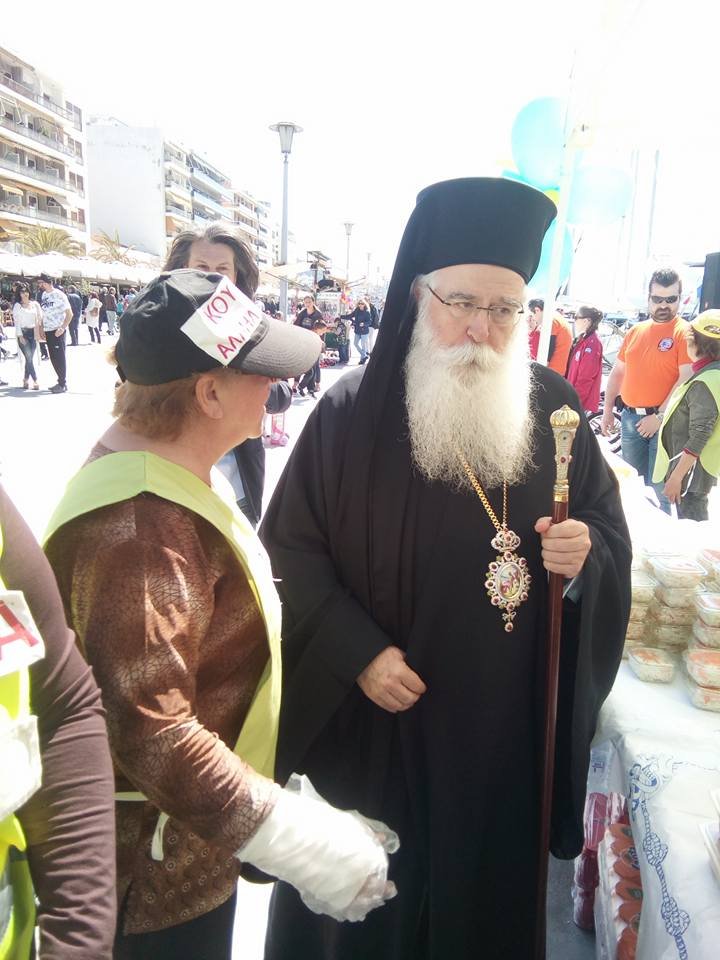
<point x="224" y="323"/>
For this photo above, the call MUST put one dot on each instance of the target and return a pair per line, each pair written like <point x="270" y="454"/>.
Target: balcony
<point x="204" y="201"/>
<point x="20" y="209"/>
<point x="42" y="176"/>
<point x="177" y="188"/>
<point x="25" y="91"/>
<point x="177" y="212"/>
<point x="211" y="184"/>
<point x="24" y="131"/>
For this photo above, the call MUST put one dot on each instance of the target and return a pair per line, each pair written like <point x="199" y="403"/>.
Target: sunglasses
<point x="665" y="299"/>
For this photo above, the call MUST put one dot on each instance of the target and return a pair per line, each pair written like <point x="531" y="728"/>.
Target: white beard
<point x="469" y="401"/>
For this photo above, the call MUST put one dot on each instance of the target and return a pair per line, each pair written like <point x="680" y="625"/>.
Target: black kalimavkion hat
<point x="187" y="322"/>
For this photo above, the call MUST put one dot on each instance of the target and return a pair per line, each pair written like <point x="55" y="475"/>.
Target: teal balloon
<point x="538" y="139"/>
<point x="540" y="278"/>
<point x="599" y="195"/>
<point x="514" y="175"/>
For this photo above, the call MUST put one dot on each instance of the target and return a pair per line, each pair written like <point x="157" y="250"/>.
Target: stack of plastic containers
<point x="643" y="590"/>
<point x="702" y="659"/>
<point x="671" y="612"/>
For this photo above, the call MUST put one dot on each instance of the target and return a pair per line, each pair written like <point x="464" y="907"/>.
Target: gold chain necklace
<point x="508" y="579"/>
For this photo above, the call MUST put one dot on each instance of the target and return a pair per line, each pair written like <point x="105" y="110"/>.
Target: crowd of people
<point x="42" y="312"/>
<point x="403" y="561"/>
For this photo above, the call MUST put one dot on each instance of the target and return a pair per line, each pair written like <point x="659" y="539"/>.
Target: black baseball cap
<point x="186" y="322"/>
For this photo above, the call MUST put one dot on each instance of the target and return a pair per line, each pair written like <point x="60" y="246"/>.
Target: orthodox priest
<point x="413" y="668"/>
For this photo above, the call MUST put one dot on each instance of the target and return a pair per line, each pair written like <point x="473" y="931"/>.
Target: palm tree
<point x="37" y="240"/>
<point x="110" y="250"/>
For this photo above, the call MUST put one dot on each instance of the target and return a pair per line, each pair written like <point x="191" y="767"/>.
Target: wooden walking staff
<point x="564" y="423"/>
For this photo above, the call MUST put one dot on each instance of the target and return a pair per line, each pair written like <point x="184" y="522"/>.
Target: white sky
<point x="394" y="95"/>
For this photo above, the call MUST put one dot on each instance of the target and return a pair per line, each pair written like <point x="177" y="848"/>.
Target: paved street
<point x="45" y="439"/>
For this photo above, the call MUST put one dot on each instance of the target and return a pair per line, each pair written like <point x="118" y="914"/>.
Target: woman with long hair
<point x="28" y="322"/>
<point x="586" y="355"/>
<point x="219" y="249"/>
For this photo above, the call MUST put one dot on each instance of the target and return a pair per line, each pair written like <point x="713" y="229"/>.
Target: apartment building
<point x="148" y="188"/>
<point x="42" y="154"/>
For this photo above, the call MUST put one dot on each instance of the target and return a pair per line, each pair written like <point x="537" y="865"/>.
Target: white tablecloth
<point x="663" y="754"/>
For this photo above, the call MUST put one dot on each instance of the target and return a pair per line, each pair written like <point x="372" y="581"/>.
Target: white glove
<point x="336" y="860"/>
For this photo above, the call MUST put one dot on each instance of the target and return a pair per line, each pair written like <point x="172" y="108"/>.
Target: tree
<point x="110" y="250"/>
<point x="37" y="240"/>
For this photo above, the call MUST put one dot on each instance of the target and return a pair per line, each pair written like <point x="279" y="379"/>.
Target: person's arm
<point x="612" y="391"/>
<point x="703" y="417"/>
<point x="649" y="425"/>
<point x="39" y="328"/>
<point x="70" y="822"/>
<point x="18" y="325"/>
<point x="551" y="347"/>
<point x="145" y="652"/>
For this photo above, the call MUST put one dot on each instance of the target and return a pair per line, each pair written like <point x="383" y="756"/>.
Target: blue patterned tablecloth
<point x="663" y="754"/>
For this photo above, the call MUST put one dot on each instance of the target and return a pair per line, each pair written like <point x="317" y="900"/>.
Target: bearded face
<point x="471" y="399"/>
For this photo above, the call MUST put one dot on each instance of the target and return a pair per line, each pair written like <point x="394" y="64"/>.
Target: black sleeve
<point x="70" y="822"/>
<point x="328" y="637"/>
<point x="551" y="346"/>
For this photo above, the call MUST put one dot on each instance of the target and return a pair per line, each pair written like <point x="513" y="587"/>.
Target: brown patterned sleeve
<point x="69" y="823"/>
<point x="141" y="611"/>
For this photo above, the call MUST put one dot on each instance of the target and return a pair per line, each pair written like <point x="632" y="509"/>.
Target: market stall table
<point x="663" y="754"/>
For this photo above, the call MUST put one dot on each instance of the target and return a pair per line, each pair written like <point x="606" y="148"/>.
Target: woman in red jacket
<point x="585" y="364"/>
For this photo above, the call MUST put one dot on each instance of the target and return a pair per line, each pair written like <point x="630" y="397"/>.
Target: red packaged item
<point x="627" y="944"/>
<point x="629" y="891"/>
<point x="583" y="902"/>
<point x="586" y="870"/>
<point x="627" y="865"/>
<point x="622" y="832"/>
<point x="629" y="912"/>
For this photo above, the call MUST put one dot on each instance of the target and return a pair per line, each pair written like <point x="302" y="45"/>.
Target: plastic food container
<point x="639" y="612"/>
<point x="652" y="666"/>
<point x="708" y="608"/>
<point x="708" y="636"/>
<point x="710" y="559"/>
<point x="668" y="635"/>
<point x="703" y="666"/>
<point x="680" y="616"/>
<point x="635" y="630"/>
<point x="677" y="571"/>
<point x="643" y="586"/>
<point x="705" y="698"/>
<point x="676" y="596"/>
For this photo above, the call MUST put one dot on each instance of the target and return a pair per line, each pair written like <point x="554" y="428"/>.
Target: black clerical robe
<point x="402" y="561"/>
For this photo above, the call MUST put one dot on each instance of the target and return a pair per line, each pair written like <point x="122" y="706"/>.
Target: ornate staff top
<point x="564" y="423"/>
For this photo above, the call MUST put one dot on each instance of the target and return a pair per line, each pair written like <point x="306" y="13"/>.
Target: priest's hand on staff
<point x="390" y="683"/>
<point x="565" y="545"/>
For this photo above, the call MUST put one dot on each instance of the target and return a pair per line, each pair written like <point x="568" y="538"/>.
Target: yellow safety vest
<point x="20" y="770"/>
<point x="121" y="476"/>
<point x="710" y="455"/>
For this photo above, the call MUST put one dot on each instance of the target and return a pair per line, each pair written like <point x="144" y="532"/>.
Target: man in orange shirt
<point x="652" y="361"/>
<point x="560" y="338"/>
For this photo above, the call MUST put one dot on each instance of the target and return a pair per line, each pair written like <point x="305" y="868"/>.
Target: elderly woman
<point x="187" y="651"/>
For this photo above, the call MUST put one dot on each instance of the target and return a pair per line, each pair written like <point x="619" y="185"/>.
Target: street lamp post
<point x="348" y="231"/>
<point x="286" y="131"/>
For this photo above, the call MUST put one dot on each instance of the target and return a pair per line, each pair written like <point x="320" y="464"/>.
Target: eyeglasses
<point x="499" y="314"/>
<point x="665" y="299"/>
